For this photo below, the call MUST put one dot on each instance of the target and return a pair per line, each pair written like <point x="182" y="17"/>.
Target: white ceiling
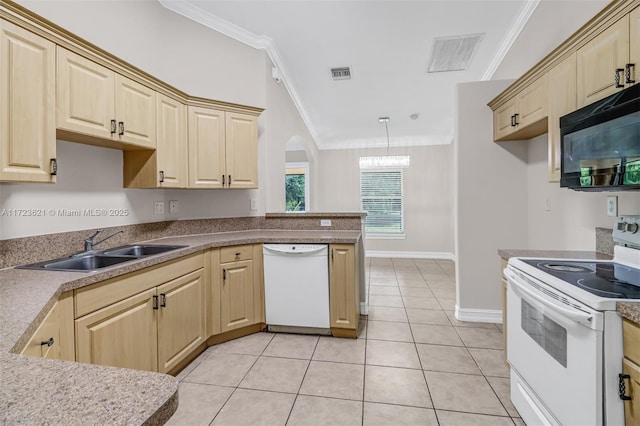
<point x="387" y="45"/>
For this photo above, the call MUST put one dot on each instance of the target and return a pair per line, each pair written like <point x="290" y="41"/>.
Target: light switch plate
<point x="254" y="204"/>
<point x="612" y="205"/>
<point x="173" y="206"/>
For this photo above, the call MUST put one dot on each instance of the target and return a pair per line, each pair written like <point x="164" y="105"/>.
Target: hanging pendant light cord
<point x="386" y="126"/>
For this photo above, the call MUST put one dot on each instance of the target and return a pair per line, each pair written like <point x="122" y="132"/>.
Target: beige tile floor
<point x="413" y="364"/>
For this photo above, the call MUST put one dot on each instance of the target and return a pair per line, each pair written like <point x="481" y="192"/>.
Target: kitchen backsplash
<point x="604" y="241"/>
<point x="24" y="250"/>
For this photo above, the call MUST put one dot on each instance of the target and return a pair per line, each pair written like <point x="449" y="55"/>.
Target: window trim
<point x="399" y="235"/>
<point x="305" y="166"/>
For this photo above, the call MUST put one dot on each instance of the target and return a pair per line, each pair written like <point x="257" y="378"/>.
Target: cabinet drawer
<point x="99" y="295"/>
<point x="236" y="253"/>
<point x="631" y="338"/>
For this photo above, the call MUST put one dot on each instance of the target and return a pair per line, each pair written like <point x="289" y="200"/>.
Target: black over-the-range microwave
<point x="600" y="144"/>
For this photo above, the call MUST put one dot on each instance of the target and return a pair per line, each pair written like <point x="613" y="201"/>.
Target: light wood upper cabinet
<point x="166" y="167"/>
<point x="242" y="150"/>
<point x="98" y="106"/>
<point x="598" y="61"/>
<point x="206" y="147"/>
<point x="344" y="301"/>
<point x="181" y="319"/>
<point x="524" y="116"/>
<point x="634" y="45"/>
<point x="223" y="149"/>
<point x="562" y="87"/>
<point x="136" y="112"/>
<point x="27" y="105"/>
<point x="54" y="338"/>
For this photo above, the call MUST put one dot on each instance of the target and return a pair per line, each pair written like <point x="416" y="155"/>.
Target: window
<point x="297" y="187"/>
<point x="381" y="197"/>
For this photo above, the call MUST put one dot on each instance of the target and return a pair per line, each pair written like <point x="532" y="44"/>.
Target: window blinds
<point x="381" y="198"/>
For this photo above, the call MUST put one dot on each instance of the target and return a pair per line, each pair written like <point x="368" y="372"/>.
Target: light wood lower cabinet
<point x="153" y="329"/>
<point x="631" y="368"/>
<point x="54" y="338"/>
<point x="344" y="300"/>
<point x="27" y="105"/>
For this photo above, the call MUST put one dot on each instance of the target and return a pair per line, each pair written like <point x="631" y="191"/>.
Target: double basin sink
<point x="92" y="261"/>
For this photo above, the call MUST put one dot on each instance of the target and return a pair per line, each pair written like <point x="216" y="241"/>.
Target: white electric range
<point x="564" y="337"/>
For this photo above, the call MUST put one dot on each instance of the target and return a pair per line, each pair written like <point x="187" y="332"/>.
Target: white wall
<point x="491" y="200"/>
<point x="194" y="59"/>
<point x="563" y="219"/>
<point x="428" y="194"/>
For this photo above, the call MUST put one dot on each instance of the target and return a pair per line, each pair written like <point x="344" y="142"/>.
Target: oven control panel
<point x="626" y="231"/>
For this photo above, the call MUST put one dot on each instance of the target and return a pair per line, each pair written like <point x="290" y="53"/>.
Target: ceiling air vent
<point x="342" y="73"/>
<point x="452" y="53"/>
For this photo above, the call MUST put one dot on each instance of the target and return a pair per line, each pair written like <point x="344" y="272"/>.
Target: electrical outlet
<point x="325" y="222"/>
<point x="254" y="204"/>
<point x="173" y="206"/>
<point x="158" y="207"/>
<point x="612" y="205"/>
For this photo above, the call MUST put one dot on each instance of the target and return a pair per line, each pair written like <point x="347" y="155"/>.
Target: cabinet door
<point x="632" y="407"/>
<point x="236" y="295"/>
<point x="181" y="319"/>
<point x="172" y="143"/>
<point x="562" y="87"/>
<point x="343" y="302"/>
<point x="124" y="334"/>
<point x="27" y="105"/>
<point x="242" y="150"/>
<point x="503" y="120"/>
<point x="85" y="96"/>
<point x="206" y="147"/>
<point x="135" y="112"/>
<point x="634" y="44"/>
<point x="598" y="60"/>
<point x="532" y="103"/>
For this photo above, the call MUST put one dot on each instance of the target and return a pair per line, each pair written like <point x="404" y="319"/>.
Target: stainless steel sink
<point x="93" y="261"/>
<point x="86" y="263"/>
<point x="141" y="250"/>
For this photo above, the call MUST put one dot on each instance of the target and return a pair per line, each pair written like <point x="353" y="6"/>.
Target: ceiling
<point x="387" y="45"/>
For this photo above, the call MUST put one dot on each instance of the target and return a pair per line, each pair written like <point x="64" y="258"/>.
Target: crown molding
<point x="192" y="11"/>
<point x="514" y="31"/>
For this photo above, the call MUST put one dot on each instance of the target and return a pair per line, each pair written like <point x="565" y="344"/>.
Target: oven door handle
<point x="577" y="316"/>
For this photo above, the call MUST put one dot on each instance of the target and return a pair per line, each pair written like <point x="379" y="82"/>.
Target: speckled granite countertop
<point x="630" y="311"/>
<point x="38" y="391"/>
<point x="553" y="254"/>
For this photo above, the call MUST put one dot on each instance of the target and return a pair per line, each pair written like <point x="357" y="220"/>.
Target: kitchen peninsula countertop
<point x="41" y="391"/>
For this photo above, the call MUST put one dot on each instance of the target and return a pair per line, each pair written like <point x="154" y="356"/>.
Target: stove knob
<point x="632" y="227"/>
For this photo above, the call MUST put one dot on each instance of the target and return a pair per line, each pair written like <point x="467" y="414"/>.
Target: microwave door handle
<point x="576" y="316"/>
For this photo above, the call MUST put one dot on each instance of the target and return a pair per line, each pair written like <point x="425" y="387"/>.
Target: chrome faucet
<point x="89" y="243"/>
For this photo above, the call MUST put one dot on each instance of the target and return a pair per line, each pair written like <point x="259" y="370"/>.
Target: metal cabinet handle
<point x="622" y="389"/>
<point x="163" y="300"/>
<point x="161" y="176"/>
<point x="617" y="78"/>
<point x="54" y="167"/>
<point x="222" y="180"/>
<point x="121" y="125"/>
<point x="627" y="73"/>
<point x="515" y="119"/>
<point x="49" y="342"/>
<point x="224" y="275"/>
<point x="229" y="181"/>
<point x="155" y="302"/>
<point x="113" y="126"/>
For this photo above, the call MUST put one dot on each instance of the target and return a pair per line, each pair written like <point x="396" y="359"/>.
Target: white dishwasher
<point x="296" y="287"/>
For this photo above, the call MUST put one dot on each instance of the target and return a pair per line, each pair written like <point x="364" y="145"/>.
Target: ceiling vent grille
<point x="453" y="53"/>
<point x="342" y="73"/>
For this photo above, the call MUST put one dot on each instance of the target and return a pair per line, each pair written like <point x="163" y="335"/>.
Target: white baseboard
<point x="410" y="254"/>
<point x="479" y="315"/>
